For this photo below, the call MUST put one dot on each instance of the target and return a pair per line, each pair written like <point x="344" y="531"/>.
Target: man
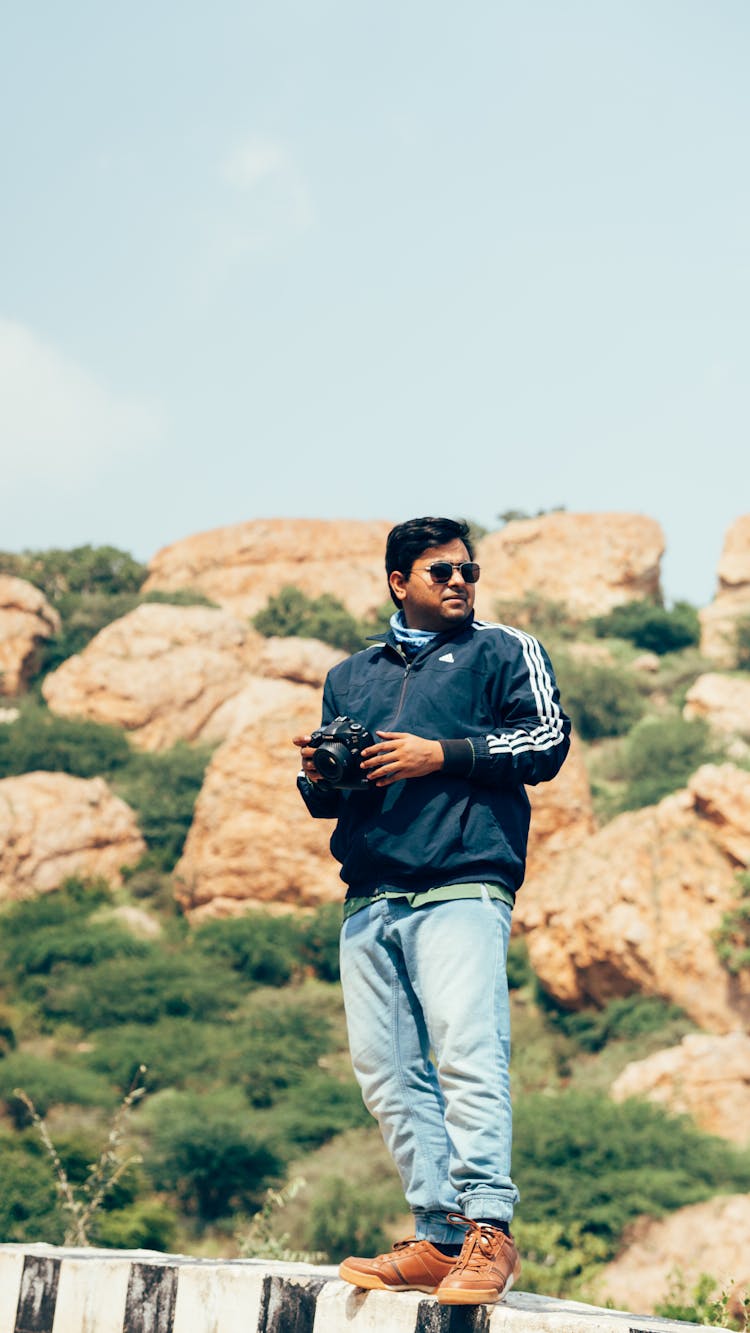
<point x="464" y="714"/>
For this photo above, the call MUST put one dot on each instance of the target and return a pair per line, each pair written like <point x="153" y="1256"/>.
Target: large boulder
<point x="241" y="566"/>
<point x="562" y="812"/>
<point x="732" y="600"/>
<point x="26" y="620"/>
<point x="708" y="1237"/>
<point x="588" y="562"/>
<point x="707" y="1077"/>
<point x="162" y="672"/>
<point x="724" y="702"/>
<point x="635" y="907"/>
<point x="53" y="826"/>
<point x="252" y="842"/>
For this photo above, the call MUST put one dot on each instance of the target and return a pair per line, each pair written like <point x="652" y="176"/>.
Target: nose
<point x="457" y="576"/>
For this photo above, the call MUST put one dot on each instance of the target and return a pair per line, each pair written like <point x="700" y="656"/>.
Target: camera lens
<point x="331" y="760"/>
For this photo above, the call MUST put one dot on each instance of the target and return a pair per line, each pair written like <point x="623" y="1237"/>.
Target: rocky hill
<point x="158" y="752"/>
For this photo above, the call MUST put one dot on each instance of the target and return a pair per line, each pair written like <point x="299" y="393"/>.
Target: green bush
<point x="732" y="938"/>
<point x="629" y="1016"/>
<point x="742" y="642"/>
<point x="203" y="1151"/>
<point x="519" y="969"/>
<point x="652" y="627"/>
<point x="264" y="949"/>
<point x="344" y="1220"/>
<point x="38" y="740"/>
<point x="540" y="616"/>
<point x="40" y="952"/>
<point x="82" y="569"/>
<point x="292" y="612"/>
<point x="163" y="789"/>
<point x="559" y="1258"/>
<point x="319" y="1107"/>
<point x="660" y="756"/>
<point x="177" y="1053"/>
<point x="319" y="936"/>
<point x="583" y="1159"/>
<point x="600" y="700"/>
<point x="28" y="1197"/>
<point x="141" y="989"/>
<point x="279" y="1041"/>
<point x="148" y="1224"/>
<point x="48" y="1083"/>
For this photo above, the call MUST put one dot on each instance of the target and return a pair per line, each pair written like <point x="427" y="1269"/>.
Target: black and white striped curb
<point x="48" y="1290"/>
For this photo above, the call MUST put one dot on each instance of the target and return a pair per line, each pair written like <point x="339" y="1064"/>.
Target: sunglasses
<point x="441" y="571"/>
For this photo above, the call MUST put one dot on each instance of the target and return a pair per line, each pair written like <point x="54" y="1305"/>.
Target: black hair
<point x="407" y="541"/>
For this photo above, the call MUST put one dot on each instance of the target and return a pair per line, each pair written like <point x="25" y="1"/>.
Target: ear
<point x="398" y="583"/>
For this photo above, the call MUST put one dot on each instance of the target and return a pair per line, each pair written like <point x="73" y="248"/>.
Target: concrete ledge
<point x="49" y="1290"/>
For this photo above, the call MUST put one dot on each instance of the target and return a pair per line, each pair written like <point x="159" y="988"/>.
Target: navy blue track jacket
<point x="488" y="694"/>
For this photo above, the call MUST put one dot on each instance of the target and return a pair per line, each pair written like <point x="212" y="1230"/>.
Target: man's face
<point x="429" y="605"/>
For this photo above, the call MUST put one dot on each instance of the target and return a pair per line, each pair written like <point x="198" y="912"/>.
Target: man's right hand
<point x="306" y="753"/>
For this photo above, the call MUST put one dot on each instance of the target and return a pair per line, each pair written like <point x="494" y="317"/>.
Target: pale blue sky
<point x="326" y="258"/>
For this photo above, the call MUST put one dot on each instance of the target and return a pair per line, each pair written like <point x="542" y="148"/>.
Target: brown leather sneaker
<point x="412" y="1265"/>
<point x="484" y="1271"/>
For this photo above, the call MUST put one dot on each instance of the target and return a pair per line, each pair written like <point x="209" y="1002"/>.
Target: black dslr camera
<point x="338" y="752"/>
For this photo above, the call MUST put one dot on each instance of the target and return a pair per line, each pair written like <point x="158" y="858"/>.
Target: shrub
<point x="742" y="642"/>
<point x="660" y="756"/>
<point x="558" y="1257"/>
<point x="41" y="951"/>
<point x="28" y="1198"/>
<point x="319" y="1107"/>
<point x="148" y="1224"/>
<point x="343" y="1220"/>
<point x="519" y="969"/>
<point x="319" y="935"/>
<point x="263" y="949"/>
<point x="163" y="789"/>
<point x="278" y="1044"/>
<point x="48" y="1083"/>
<point x="540" y="616"/>
<point x="82" y="569"/>
<point x="629" y="1016"/>
<point x="600" y="700"/>
<point x="583" y="1159"/>
<point x="733" y="936"/>
<point x="177" y="1052"/>
<point x="203" y="1151"/>
<point x="292" y="612"/>
<point x="38" y="740"/>
<point x="141" y="989"/>
<point x="652" y="627"/>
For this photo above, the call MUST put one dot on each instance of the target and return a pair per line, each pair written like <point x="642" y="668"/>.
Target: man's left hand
<point x="400" y="755"/>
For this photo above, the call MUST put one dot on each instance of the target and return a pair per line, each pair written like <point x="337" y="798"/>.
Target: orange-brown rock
<point x="708" y="1237"/>
<point x="732" y="601"/>
<point x="562" y="812"/>
<point x="26" y="620"/>
<point x="241" y="566"/>
<point x="706" y="1077"/>
<point x="588" y="562"/>
<point x="306" y="661"/>
<point x="252" y="841"/>
<point x="162" y="672"/>
<point x="723" y="701"/>
<point x="635" y="907"/>
<point x="53" y="826"/>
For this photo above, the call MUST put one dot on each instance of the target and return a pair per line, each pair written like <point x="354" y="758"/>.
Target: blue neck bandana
<point x="411" y="640"/>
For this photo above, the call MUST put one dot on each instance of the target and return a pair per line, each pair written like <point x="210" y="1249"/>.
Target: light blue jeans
<point x="426" y="997"/>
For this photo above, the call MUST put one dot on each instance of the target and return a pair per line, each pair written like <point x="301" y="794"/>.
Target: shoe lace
<point x="478" y="1244"/>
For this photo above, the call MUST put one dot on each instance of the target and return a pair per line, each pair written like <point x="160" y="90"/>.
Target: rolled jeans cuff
<point x="496" y="1206"/>
<point x="435" y="1228"/>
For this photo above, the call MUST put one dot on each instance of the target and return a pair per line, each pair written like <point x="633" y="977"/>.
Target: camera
<point x="338" y="751"/>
